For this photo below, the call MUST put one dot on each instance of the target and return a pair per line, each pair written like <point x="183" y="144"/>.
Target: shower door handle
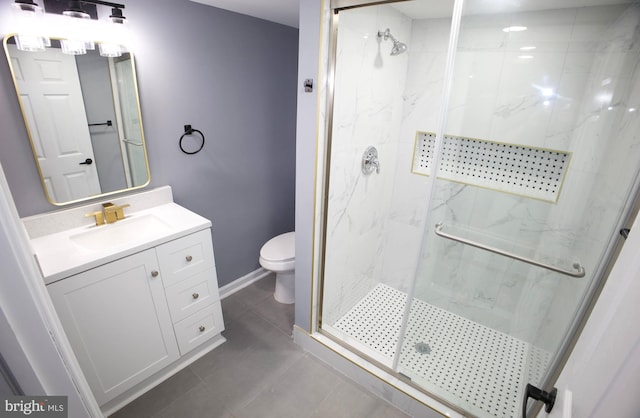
<point x="370" y="161"/>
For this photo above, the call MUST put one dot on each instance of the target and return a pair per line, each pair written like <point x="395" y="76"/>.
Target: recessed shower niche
<point x="524" y="171"/>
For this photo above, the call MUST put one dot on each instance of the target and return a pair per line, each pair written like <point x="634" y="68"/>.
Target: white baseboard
<point x="242" y="282"/>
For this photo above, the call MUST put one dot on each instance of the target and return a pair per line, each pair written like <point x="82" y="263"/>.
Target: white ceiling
<point x="284" y="12"/>
<point x="443" y="8"/>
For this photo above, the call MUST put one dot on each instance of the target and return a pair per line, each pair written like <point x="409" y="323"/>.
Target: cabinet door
<point x="118" y="322"/>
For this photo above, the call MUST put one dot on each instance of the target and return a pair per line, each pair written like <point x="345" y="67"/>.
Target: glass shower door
<point x="361" y="244"/>
<point x="536" y="164"/>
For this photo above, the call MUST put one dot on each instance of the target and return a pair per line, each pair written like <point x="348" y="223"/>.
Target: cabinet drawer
<point x="199" y="327"/>
<point x="190" y="295"/>
<point x="185" y="257"/>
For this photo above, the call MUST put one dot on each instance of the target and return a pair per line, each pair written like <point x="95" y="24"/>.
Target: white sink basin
<point x="72" y="246"/>
<point x="125" y="232"/>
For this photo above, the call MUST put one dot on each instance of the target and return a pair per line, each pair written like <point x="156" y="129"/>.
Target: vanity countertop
<point x="65" y="253"/>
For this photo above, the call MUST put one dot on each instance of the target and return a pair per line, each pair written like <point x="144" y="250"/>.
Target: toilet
<point x="278" y="255"/>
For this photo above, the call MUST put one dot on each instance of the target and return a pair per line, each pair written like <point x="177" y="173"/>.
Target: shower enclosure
<point x="481" y="160"/>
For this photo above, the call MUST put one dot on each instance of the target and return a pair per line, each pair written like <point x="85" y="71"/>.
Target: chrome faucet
<point x="110" y="213"/>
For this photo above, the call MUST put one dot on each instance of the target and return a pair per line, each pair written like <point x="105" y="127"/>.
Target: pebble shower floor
<point x="484" y="368"/>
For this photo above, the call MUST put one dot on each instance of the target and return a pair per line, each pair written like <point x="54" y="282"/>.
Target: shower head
<point x="398" y="47"/>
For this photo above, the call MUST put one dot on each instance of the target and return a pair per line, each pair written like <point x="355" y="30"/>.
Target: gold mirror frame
<point x="119" y="138"/>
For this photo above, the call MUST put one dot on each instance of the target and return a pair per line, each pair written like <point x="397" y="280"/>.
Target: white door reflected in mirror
<point x="50" y="91"/>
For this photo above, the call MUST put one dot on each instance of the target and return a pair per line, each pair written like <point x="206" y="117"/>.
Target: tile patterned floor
<point x="258" y="372"/>
<point x="473" y="366"/>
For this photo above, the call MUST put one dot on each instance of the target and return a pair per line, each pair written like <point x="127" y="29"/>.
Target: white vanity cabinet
<point x="133" y="317"/>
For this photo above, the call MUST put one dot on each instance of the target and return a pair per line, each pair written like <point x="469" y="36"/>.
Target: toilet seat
<point x="278" y="254"/>
<point x="279" y="249"/>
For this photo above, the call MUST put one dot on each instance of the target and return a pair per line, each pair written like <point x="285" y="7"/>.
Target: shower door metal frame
<point x="584" y="308"/>
<point x="338" y="5"/>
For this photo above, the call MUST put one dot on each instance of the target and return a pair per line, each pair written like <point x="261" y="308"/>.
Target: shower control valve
<point x="370" y="161"/>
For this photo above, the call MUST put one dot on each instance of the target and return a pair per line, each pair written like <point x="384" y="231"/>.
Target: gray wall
<point x="231" y="76"/>
<point x="308" y="58"/>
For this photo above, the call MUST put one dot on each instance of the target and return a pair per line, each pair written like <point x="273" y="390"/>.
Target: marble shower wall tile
<point x="367" y="112"/>
<point x="427" y="48"/>
<point x="557" y="98"/>
<point x="609" y="164"/>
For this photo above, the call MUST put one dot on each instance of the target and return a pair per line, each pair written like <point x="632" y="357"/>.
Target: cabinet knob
<point x="154" y="273"/>
<point x="189" y="258"/>
<point x="195" y="295"/>
<point x="202" y="328"/>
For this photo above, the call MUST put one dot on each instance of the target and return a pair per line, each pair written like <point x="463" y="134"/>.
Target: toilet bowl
<point x="278" y="255"/>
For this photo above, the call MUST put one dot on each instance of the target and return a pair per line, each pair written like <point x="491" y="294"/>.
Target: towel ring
<point x="188" y="130"/>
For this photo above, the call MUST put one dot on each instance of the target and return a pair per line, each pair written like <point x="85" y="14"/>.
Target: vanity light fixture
<point x="27" y="6"/>
<point x="32" y="43"/>
<point x="28" y="13"/>
<point x="110" y="50"/>
<point x="116" y="15"/>
<point x="28" y="39"/>
<point x="106" y="49"/>
<point x="75" y="10"/>
<point x="73" y="47"/>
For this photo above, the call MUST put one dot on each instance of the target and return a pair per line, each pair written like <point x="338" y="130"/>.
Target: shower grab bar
<point x="579" y="272"/>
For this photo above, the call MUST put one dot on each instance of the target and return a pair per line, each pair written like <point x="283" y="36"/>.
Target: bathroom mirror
<point x="82" y="114"/>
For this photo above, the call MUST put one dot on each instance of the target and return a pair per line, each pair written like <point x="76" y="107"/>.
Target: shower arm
<point x="386" y="35"/>
<point x="579" y="272"/>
